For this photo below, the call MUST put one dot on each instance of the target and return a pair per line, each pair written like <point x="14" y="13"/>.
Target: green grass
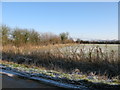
<point x="52" y="73"/>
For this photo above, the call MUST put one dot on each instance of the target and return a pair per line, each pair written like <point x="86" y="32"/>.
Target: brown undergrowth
<point x="66" y="58"/>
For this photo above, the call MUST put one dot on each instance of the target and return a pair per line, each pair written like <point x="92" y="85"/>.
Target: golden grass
<point x="65" y="57"/>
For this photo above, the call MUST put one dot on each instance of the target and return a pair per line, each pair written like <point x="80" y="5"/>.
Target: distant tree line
<point x="18" y="37"/>
<point x="98" y="42"/>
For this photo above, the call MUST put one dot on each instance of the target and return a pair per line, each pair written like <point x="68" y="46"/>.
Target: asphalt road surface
<point x="16" y="82"/>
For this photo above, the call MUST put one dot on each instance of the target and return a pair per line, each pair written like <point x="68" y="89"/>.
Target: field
<point x="68" y="45"/>
<point x="74" y="62"/>
<point x="100" y="59"/>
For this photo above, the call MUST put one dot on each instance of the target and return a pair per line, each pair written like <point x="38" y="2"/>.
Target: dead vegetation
<point x="66" y="58"/>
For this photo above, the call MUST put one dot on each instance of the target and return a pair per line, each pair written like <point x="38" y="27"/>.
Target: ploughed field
<point x="98" y="60"/>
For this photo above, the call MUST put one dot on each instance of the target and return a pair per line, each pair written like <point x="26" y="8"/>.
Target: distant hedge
<point x="18" y="37"/>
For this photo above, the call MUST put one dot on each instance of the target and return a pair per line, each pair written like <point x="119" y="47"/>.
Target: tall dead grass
<point x="66" y="58"/>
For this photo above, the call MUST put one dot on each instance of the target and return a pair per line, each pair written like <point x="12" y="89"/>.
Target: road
<point x="16" y="82"/>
